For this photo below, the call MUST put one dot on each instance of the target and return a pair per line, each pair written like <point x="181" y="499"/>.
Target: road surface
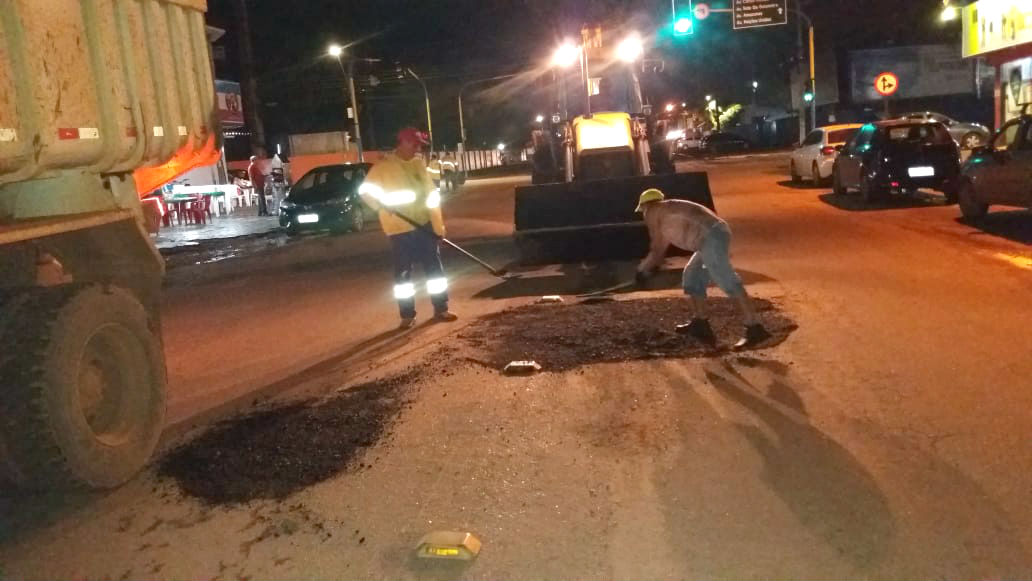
<point x="887" y="437"/>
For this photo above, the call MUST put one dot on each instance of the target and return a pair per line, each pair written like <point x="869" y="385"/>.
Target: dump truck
<point x="101" y="101"/>
<point x="588" y="171"/>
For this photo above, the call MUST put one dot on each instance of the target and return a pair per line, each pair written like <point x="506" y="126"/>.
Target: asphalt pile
<point x="273" y="453"/>
<point x="561" y="337"/>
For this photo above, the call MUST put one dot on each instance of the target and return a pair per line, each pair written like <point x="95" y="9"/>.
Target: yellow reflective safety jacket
<point x="403" y="187"/>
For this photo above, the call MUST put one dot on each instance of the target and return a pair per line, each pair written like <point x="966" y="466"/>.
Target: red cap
<point x="414" y="135"/>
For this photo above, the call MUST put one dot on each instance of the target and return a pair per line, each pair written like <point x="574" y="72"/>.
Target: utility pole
<point x="426" y="94"/>
<point x="354" y="108"/>
<point x="248" y="82"/>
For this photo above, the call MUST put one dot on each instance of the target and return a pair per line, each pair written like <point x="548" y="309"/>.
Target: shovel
<point x="500" y="273"/>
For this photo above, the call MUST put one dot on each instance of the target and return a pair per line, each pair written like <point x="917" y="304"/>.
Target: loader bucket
<point x="594" y="220"/>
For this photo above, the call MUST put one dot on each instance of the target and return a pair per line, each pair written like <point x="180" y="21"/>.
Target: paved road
<point x="888" y="437"/>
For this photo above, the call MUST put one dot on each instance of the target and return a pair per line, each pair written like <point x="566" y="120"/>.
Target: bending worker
<point x="693" y="227"/>
<point x="400" y="187"/>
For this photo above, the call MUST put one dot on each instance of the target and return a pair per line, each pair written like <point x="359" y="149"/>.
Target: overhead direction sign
<point x="886" y="84"/>
<point x="757" y="13"/>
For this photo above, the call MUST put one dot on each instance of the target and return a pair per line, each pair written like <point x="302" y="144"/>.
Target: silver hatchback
<point x="967" y="135"/>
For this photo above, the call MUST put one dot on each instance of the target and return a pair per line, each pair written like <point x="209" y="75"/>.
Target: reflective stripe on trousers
<point x="418" y="247"/>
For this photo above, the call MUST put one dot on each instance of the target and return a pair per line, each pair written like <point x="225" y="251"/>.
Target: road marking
<point x="1024" y="262"/>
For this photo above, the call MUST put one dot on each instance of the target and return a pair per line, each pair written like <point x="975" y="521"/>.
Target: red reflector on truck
<point x="68" y="133"/>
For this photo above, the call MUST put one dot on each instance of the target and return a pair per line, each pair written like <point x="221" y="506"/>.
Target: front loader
<point x="589" y="172"/>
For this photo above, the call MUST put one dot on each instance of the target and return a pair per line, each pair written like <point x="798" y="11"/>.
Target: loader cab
<point x="604" y="147"/>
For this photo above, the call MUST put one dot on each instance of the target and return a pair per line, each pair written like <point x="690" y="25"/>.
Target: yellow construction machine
<point x="589" y="171"/>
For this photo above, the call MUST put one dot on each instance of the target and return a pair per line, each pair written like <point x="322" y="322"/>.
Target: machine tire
<point x="357" y="221"/>
<point x="836" y="183"/>
<point x="971" y="140"/>
<point x="869" y="192"/>
<point x="57" y="431"/>
<point x="970" y="207"/>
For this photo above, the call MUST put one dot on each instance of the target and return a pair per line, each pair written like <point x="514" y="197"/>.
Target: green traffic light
<point x="684" y="26"/>
<point x="808" y="96"/>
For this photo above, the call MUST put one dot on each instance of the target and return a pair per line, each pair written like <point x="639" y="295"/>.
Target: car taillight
<point x="828" y="150"/>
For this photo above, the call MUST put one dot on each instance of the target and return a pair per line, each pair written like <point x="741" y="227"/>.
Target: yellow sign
<point x="991" y="25"/>
<point x="886" y="84"/>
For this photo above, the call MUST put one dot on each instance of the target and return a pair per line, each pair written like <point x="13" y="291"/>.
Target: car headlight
<point x="286" y="205"/>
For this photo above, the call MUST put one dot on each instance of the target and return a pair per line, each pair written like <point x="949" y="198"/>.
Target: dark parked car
<point x="326" y="198"/>
<point x="720" y="142"/>
<point x="898" y="156"/>
<point x="1000" y="173"/>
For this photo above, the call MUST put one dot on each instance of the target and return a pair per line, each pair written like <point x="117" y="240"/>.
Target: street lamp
<point x="949" y="12"/>
<point x="501" y="147"/>
<point x="566" y="56"/>
<point x="426" y="95"/>
<point x="540" y="119"/>
<point x="709" y="98"/>
<point x="755" y="85"/>
<point x="337" y="51"/>
<point x="669" y="107"/>
<point x="630" y="49"/>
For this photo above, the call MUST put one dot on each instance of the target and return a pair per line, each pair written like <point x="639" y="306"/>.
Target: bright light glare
<point x="336" y="50"/>
<point x="755" y="84"/>
<point x="682" y="25"/>
<point x="566" y="56"/>
<point x="669" y="107"/>
<point x="709" y="98"/>
<point x="501" y="147"/>
<point x="630" y="49"/>
<point x="675" y="135"/>
<point x="540" y="119"/>
<point x="949" y="13"/>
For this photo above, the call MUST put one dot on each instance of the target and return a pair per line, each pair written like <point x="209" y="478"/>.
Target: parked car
<point x="816" y="155"/>
<point x="898" y="156"/>
<point x="999" y="173"/>
<point x="720" y="142"/>
<point x="326" y="198"/>
<point x="968" y="135"/>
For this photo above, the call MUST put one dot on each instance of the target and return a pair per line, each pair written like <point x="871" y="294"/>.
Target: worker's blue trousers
<point x="418" y="247"/>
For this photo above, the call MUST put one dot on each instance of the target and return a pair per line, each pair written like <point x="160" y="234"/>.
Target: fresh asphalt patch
<point x="561" y="337"/>
<point x="273" y="453"/>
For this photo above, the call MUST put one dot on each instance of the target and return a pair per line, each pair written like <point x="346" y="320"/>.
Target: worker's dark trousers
<point x="412" y="248"/>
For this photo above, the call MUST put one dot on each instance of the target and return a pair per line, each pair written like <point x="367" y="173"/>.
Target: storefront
<point x="1000" y="32"/>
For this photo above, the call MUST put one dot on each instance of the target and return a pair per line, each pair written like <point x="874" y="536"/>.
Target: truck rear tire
<point x="82" y="386"/>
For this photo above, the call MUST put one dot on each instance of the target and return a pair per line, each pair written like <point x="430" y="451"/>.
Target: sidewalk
<point x="243" y="222"/>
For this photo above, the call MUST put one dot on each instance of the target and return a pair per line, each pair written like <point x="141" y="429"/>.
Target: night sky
<point x="449" y="42"/>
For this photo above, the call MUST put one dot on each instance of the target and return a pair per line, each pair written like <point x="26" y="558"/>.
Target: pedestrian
<point x="436" y="168"/>
<point x="400" y="185"/>
<point x="254" y="173"/>
<point x="693" y="227"/>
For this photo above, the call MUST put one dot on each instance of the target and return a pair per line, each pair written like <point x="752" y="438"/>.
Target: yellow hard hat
<point x="649" y="195"/>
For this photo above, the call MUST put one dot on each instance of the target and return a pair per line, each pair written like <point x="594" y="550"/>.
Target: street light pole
<point x="462" y="123"/>
<point x="337" y="51"/>
<point x="426" y="94"/>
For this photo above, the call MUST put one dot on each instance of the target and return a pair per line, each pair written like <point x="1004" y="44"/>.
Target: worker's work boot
<point x="754" y="335"/>
<point x="700" y="329"/>
<point x="406" y="324"/>
<point x="446" y="317"/>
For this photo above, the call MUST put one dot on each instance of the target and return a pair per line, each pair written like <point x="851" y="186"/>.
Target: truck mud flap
<point x="594" y="220"/>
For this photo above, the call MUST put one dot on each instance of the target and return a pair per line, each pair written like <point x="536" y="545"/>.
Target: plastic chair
<point x="200" y="210"/>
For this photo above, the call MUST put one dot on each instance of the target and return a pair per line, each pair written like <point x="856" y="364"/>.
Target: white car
<point x="815" y="157"/>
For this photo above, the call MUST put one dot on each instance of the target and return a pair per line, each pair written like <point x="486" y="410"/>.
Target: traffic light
<point x="808" y="95"/>
<point x="684" y="20"/>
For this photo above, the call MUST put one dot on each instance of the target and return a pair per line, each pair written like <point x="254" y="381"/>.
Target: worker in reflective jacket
<point x="400" y="187"/>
